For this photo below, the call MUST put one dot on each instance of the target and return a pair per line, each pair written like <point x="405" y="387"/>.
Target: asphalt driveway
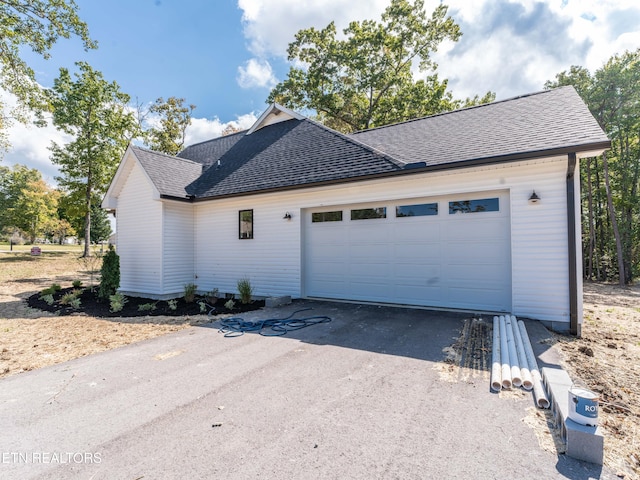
<point x="362" y="397"/>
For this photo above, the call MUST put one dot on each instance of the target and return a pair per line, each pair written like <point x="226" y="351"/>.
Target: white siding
<point x="178" y="243"/>
<point x="139" y="226"/>
<point x="273" y="259"/>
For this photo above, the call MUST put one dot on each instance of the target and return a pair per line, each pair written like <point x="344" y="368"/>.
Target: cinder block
<point x="583" y="442"/>
<point x="271" y="302"/>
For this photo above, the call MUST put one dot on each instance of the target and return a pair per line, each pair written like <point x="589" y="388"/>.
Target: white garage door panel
<point x="457" y="261"/>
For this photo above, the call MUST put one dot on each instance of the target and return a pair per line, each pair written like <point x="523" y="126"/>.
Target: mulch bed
<point x="93" y="306"/>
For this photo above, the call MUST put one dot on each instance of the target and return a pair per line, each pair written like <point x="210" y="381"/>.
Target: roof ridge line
<point x="457" y="110"/>
<point x="214" y="139"/>
<point x="174" y="157"/>
<point x="354" y="141"/>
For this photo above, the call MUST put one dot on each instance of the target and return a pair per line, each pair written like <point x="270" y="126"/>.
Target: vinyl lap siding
<point x="178" y="268"/>
<point x="139" y="226"/>
<point x="271" y="260"/>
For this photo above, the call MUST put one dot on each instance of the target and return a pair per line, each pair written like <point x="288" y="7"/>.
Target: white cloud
<point x="203" y="129"/>
<point x="30" y="144"/>
<point x="508" y="46"/>
<point x="256" y="73"/>
<point x="270" y="26"/>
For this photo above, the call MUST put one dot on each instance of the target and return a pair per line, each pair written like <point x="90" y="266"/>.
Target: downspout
<point x="574" y="326"/>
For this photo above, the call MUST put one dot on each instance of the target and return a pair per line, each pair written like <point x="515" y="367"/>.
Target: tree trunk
<point x="614" y="222"/>
<point x="592" y="227"/>
<point x="87" y="218"/>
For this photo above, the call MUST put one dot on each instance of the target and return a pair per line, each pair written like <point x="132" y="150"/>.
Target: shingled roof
<point x="170" y="175"/>
<point x="548" y="122"/>
<point x="298" y="152"/>
<point x="283" y="155"/>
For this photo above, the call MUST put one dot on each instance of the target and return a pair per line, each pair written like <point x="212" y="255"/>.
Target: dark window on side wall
<point x="319" y="217"/>
<point x="419" y="210"/>
<point x="474" y="206"/>
<point x="246" y="224"/>
<point x="367" y="213"/>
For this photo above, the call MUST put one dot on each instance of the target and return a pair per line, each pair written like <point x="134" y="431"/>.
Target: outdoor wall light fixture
<point x="534" y="198"/>
<point x="287" y="216"/>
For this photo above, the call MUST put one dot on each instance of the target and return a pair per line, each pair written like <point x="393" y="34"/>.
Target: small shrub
<point x="75" y="303"/>
<point x="47" y="291"/>
<point x="212" y="296"/>
<point x="55" y="287"/>
<point x="47" y="298"/>
<point x="245" y="290"/>
<point x="69" y="297"/>
<point x="110" y="274"/>
<point x="77" y="283"/>
<point x="147" y="307"/>
<point x="203" y="307"/>
<point x="117" y="302"/>
<point x="190" y="292"/>
<point x="173" y="304"/>
<point x="230" y="304"/>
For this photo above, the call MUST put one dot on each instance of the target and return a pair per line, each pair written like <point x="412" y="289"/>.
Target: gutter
<point x="574" y="326"/>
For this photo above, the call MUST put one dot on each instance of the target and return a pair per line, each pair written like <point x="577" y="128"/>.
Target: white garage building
<point x="476" y="209"/>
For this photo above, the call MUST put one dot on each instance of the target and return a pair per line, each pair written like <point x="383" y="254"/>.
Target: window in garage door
<point x="474" y="206"/>
<point x="418" y="210"/>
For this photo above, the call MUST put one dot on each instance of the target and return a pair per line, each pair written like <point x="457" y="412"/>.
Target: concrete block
<point x="271" y="302"/>
<point x="583" y="442"/>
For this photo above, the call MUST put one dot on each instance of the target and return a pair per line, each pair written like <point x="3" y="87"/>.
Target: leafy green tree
<point x="37" y="25"/>
<point x="95" y="113"/>
<point x="174" y="118"/>
<point x="14" y="182"/>
<point x="100" y="225"/>
<point x="365" y="79"/>
<point x="612" y="182"/>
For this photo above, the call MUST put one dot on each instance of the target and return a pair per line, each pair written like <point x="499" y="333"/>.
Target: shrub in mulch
<point x="91" y="305"/>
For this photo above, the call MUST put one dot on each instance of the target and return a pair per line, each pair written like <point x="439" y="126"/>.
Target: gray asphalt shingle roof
<point x="170" y="175"/>
<point x="296" y="153"/>
<point x="548" y="120"/>
<point x="284" y="155"/>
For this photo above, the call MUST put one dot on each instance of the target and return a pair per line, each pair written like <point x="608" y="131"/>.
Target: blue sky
<point x="224" y="56"/>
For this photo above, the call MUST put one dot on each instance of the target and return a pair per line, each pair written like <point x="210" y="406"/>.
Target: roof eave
<point x="554" y="152"/>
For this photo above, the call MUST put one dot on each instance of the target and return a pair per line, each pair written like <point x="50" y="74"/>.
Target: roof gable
<point x="274" y="114"/>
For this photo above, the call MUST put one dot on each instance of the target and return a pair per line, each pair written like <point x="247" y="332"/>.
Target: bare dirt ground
<point x="606" y="358"/>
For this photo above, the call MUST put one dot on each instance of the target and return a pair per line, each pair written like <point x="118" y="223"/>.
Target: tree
<point x="38" y="25"/>
<point x="612" y="197"/>
<point x="174" y="118"/>
<point x="27" y="203"/>
<point x="366" y="80"/>
<point x="95" y="113"/>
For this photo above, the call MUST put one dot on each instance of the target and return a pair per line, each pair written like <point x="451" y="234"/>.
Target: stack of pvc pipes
<point x="514" y="363"/>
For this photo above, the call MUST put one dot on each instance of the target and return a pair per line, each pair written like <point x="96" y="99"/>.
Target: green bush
<point x="245" y="290"/>
<point x="147" y="307"/>
<point x="173" y="304"/>
<point x="69" y="297"/>
<point x="117" y="302"/>
<point x="47" y="298"/>
<point x="230" y="304"/>
<point x="110" y="274"/>
<point x="190" y="292"/>
<point x="77" y="283"/>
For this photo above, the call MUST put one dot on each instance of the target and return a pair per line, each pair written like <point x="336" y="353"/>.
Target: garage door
<point x="449" y="251"/>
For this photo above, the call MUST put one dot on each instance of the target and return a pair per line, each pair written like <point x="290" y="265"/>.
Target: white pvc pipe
<point x="527" y="380"/>
<point x="504" y="355"/>
<point x="516" y="379"/>
<point x="538" y="390"/>
<point x="496" y="364"/>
